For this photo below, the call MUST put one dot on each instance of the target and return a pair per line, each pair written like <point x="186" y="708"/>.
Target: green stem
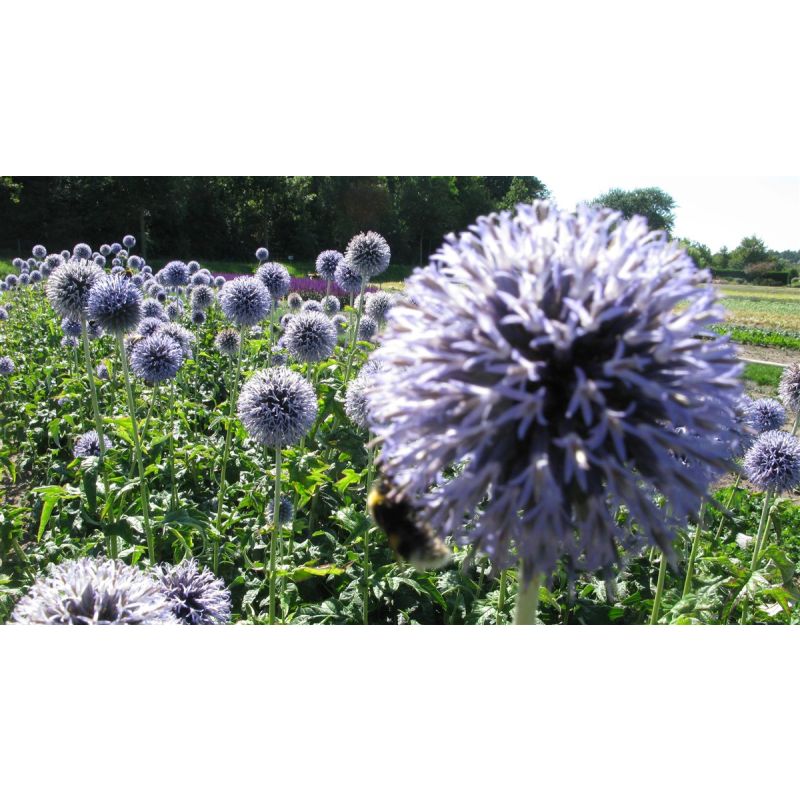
<point x="174" y="494"/>
<point x="687" y="584"/>
<point x="727" y="506"/>
<point x="757" y="545"/>
<point x="662" y="574"/>
<point x="355" y="332"/>
<point x="527" y="605"/>
<point x="501" y="597"/>
<point x="365" y="619"/>
<point x="276" y="525"/>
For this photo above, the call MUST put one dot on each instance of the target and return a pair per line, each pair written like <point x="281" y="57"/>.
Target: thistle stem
<point x="365" y="618"/>
<point x="727" y="506"/>
<point x="276" y="525"/>
<point x="662" y="574"/>
<point x="501" y="597"/>
<point x="174" y="491"/>
<point x="526" y="610"/>
<point x="355" y="332"/>
<point x="687" y="584"/>
<point x="757" y="545"/>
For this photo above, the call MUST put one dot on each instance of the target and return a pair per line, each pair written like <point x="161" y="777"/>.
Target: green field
<point x="766" y="307"/>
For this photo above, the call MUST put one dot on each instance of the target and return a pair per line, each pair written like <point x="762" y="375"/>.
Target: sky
<point x="716" y="211"/>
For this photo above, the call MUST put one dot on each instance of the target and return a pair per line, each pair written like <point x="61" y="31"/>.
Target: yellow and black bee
<point x="411" y="540"/>
<point x="128" y="272"/>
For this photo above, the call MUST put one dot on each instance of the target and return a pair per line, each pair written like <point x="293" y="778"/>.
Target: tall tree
<point x="651" y="202"/>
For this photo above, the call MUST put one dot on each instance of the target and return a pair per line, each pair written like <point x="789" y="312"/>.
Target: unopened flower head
<point x="69" y="286"/>
<point x="115" y="303"/>
<point x="54" y="261"/>
<point x="102" y="372"/>
<point x="156" y="358"/>
<point x="7" y="365"/>
<point x="262" y="254"/>
<point x="39" y="251"/>
<point x="135" y="262"/>
<point x="196" y="596"/>
<point x="773" y="462"/>
<point x="198" y="316"/>
<point x="275" y="277"/>
<point x="295" y="301"/>
<point x="310" y="337"/>
<point x="245" y="301"/>
<point x="129" y="241"/>
<point x="193" y="266"/>
<point x="89" y="444"/>
<point x="548" y="358"/>
<point x="327" y="261"/>
<point x="174" y="310"/>
<point x="219" y="281"/>
<point x="764" y="415"/>
<point x="368" y="254"/>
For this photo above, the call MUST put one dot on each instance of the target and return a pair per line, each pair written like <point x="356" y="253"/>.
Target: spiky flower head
<point x="29" y="265"/>
<point x="82" y="252"/>
<point x="764" y="415"/>
<point x="152" y="308"/>
<point x="295" y="301"/>
<point x="54" y="261"/>
<point x="262" y="254"/>
<point x="69" y="341"/>
<point x="129" y="241"/>
<point x="195" y="595"/>
<point x="367" y="328"/>
<point x="160" y="295"/>
<point x="549" y="358"/>
<point x="368" y="254"/>
<point x="100" y="261"/>
<point x="275" y="277"/>
<point x="280" y="358"/>
<point x="149" y="325"/>
<point x="115" y="303"/>
<point x="89" y="444"/>
<point x="339" y="321"/>
<point x="219" y="281"/>
<point x="277" y="407"/>
<point x="102" y="372"/>
<point x="198" y="316"/>
<point x="11" y="281"/>
<point x="7" y="365"/>
<point x="105" y="250"/>
<point x="91" y="591"/>
<point x="202" y="297"/>
<point x="347" y="278"/>
<point x="245" y="301"/>
<point x="310" y="337"/>
<point x="3" y="313"/>
<point x="193" y="267"/>
<point x="175" y="273"/>
<point x="39" y="251"/>
<point x="330" y="304"/>
<point x="201" y="278"/>
<point x="116" y="264"/>
<point x="285" y="510"/>
<point x="65" y="255"/>
<point x="156" y="358"/>
<point x="24" y="278"/>
<point x="174" y="309"/>
<point x="789" y="387"/>
<point x="36" y="275"/>
<point x="377" y="305"/>
<point x="773" y="462"/>
<point x="183" y="337"/>
<point x="358" y="390"/>
<point x="71" y="327"/>
<point x="312" y="305"/>
<point x="135" y="262"/>
<point x="17" y="263"/>
<point x="327" y="261"/>
<point x="227" y="342"/>
<point x="69" y="286"/>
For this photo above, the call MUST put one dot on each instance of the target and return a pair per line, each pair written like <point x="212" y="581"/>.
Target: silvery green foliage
<point x="310" y="337"/>
<point x="368" y="254"/>
<point x="275" y="278"/>
<point x="7" y="365"/>
<point x="377" y="305"/>
<point x="89" y="445"/>
<point x="327" y="261"/>
<point x="277" y="407"/>
<point x="176" y="273"/>
<point x="347" y="278"/>
<point x="227" y="342"/>
<point x="196" y="596"/>
<point x="773" y="462"/>
<point x="115" y="303"/>
<point x="68" y="287"/>
<point x="245" y="301"/>
<point x="330" y="304"/>
<point x="156" y="358"/>
<point x="91" y="591"/>
<point x="789" y="387"/>
<point x="764" y="415"/>
<point x="285" y="510"/>
<point x="367" y="328"/>
<point x="549" y="358"/>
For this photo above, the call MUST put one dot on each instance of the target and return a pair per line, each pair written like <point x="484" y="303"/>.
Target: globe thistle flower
<point x="17" y="263"/>
<point x="280" y="358"/>
<point x="135" y="262"/>
<point x="327" y="261"/>
<point x="368" y="254"/>
<point x="115" y="248"/>
<point x="285" y="511"/>
<point x="219" y="281"/>
<point x="39" y="251"/>
<point x="89" y="445"/>
<point x="772" y="464"/>
<point x="149" y="325"/>
<point x="138" y="282"/>
<point x="200" y="278"/>
<point x="310" y="337"/>
<point x="116" y="263"/>
<point x="54" y="261"/>
<point x="284" y="320"/>
<point x="339" y="321"/>
<point x="175" y="273"/>
<point x="105" y="250"/>
<point x="262" y="254"/>
<point x="69" y="341"/>
<point x="181" y="336"/>
<point x="275" y="277"/>
<point x="36" y="276"/>
<point x="174" y="310"/>
<point x="129" y="241"/>
<point x="355" y="399"/>
<point x="193" y="266"/>
<point x="115" y="303"/>
<point x="789" y="387"/>
<point x="11" y="281"/>
<point x="24" y="278"/>
<point x="367" y="328"/>
<point x="69" y="286"/>
<point x="245" y="301"/>
<point x="196" y="596"/>
<point x="3" y="314"/>
<point x="146" y="270"/>
<point x="156" y="358"/>
<point x="29" y="264"/>
<point x="764" y="415"/>
<point x="71" y="327"/>
<point x="347" y="278"/>
<point x="277" y="407"/>
<point x="65" y="255"/>
<point x="82" y="252"/>
<point x="227" y="342"/>
<point x="377" y="306"/>
<point x="545" y="354"/>
<point x="100" y="261"/>
<point x="94" y="329"/>
<point x="330" y="304"/>
<point x="160" y="295"/>
<point x="7" y="365"/>
<point x="202" y="297"/>
<point x="102" y="372"/>
<point x="295" y="301"/>
<point x="123" y="255"/>
<point x="312" y="305"/>
<point x="198" y="317"/>
<point x="94" y="592"/>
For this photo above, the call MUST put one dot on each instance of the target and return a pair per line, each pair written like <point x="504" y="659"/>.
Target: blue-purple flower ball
<point x="245" y="301"/>
<point x="115" y="303"/>
<point x="7" y="365"/>
<point x="89" y="445"/>
<point x="275" y="277"/>
<point x="367" y="328"/>
<point x="82" y="252"/>
<point x="310" y="337"/>
<point x="764" y="415"/>
<point x="368" y="254"/>
<point x="129" y="241"/>
<point x="196" y="596"/>
<point x="39" y="251"/>
<point x="227" y="342"/>
<point x="69" y="286"/>
<point x="347" y="278"/>
<point x="175" y="273"/>
<point x="156" y="358"/>
<point x="772" y="464"/>
<point x="327" y="261"/>
<point x="71" y="327"/>
<point x="262" y="254"/>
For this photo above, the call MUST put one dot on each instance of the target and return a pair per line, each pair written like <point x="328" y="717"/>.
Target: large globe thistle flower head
<point x="773" y="462"/>
<point x="39" y="251"/>
<point x="347" y="278"/>
<point x="262" y="254"/>
<point x="789" y="387"/>
<point x="196" y="596"/>
<point x="71" y="327"/>
<point x="275" y="277"/>
<point x="764" y="415"/>
<point x="200" y="278"/>
<point x="227" y="342"/>
<point x="129" y="241"/>
<point x="69" y="286"/>
<point x="326" y="264"/>
<point x="245" y="301"/>
<point x="149" y="325"/>
<point x="175" y="273"/>
<point x="7" y="365"/>
<point x="377" y="306"/>
<point x="88" y="444"/>
<point x="367" y="328"/>
<point x="183" y="337"/>
<point x="115" y="303"/>
<point x="310" y="337"/>
<point x="549" y="357"/>
<point x="368" y="254"/>
<point x="295" y="301"/>
<point x="202" y="297"/>
<point x="277" y="407"/>
<point x="94" y="592"/>
<point x="312" y="305"/>
<point x="330" y="304"/>
<point x="82" y="252"/>
<point x="156" y="358"/>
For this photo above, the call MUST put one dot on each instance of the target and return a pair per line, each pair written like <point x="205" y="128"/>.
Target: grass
<point x="766" y="307"/>
<point x="763" y="374"/>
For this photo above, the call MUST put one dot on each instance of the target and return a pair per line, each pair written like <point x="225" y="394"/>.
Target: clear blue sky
<point x="714" y="210"/>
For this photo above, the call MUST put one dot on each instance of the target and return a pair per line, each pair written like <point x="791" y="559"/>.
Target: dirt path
<point x="773" y="355"/>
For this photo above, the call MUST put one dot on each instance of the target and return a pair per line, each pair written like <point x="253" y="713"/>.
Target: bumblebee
<point x="128" y="272"/>
<point x="411" y="541"/>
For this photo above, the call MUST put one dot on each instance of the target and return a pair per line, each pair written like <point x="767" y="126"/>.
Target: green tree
<point x="651" y="202"/>
<point x="700" y="253"/>
<point x="751" y="250"/>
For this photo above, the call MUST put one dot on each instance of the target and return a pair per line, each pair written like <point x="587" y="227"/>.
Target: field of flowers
<point x="536" y="429"/>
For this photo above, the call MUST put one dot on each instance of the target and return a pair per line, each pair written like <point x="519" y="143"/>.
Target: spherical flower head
<point x="789" y="387"/>
<point x="358" y="390"/>
<point x="135" y="262"/>
<point x="327" y="261"/>
<point x="7" y="365"/>
<point x="65" y="255"/>
<point x="54" y="261"/>
<point x="174" y="310"/>
<point x="117" y="270"/>
<point x="115" y="303"/>
<point x="764" y="415"/>
<point x="149" y="325"/>
<point x="82" y="252"/>
<point x="548" y="357"/>
<point x="193" y="267"/>
<point x="196" y="596"/>
<point x="368" y="254"/>
<point x="339" y="321"/>
<point x="11" y="281"/>
<point x="36" y="276"/>
<point x="277" y="407"/>
<point x="69" y="341"/>
<point x="285" y="510"/>
<point x="245" y="301"/>
<point x="280" y="358"/>
<point x="156" y="358"/>
<point x="773" y="462"/>
<point x="24" y="278"/>
<point x="367" y="328"/>
<point x="39" y="251"/>
<point x="347" y="278"/>
<point x="69" y="286"/>
<point x="295" y="301"/>
<point x="310" y="337"/>
<point x="29" y="265"/>
<point x="275" y="277"/>
<point x="71" y="327"/>
<point x="330" y="304"/>
<point x="3" y="314"/>
<point x="137" y="281"/>
<point x="116" y="263"/>
<point x="200" y="278"/>
<point x="102" y="372"/>
<point x="89" y="445"/>
<point x="377" y="306"/>
<point x="123" y="255"/>
<point x="219" y="281"/>
<point x="146" y="269"/>
<point x="202" y="297"/>
<point x="312" y="305"/>
<point x="105" y="250"/>
<point x="198" y="316"/>
<point x="184" y="338"/>
<point x="262" y="254"/>
<point x="161" y="296"/>
<point x="17" y="263"/>
<point x="100" y="261"/>
<point x="227" y="342"/>
<point x="175" y="273"/>
<point x="129" y="241"/>
<point x="91" y="591"/>
<point x="94" y="329"/>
